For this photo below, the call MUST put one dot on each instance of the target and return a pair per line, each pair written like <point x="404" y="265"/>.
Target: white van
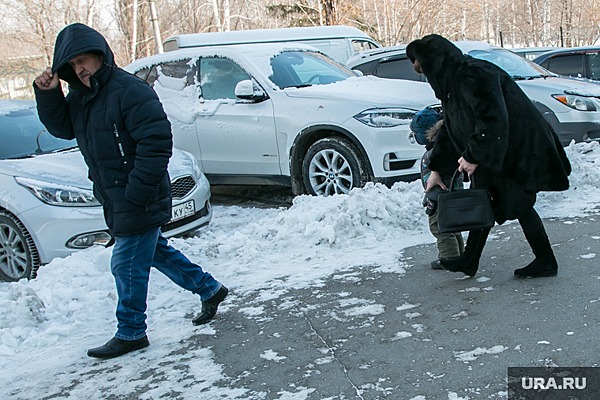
<point x="338" y="42"/>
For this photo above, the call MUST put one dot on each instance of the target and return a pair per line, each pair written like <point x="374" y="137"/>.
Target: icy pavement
<point x="401" y="332"/>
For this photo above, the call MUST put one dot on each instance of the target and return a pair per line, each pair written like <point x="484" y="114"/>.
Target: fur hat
<point x="422" y="122"/>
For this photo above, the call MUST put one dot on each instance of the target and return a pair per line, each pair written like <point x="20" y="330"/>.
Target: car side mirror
<point x="358" y="72"/>
<point x="245" y="90"/>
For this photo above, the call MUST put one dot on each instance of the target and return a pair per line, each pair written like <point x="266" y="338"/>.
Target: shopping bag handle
<point x="456" y="174"/>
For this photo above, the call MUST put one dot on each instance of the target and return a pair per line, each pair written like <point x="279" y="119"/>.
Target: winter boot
<point x="209" y="307"/>
<point x="544" y="263"/>
<point x="468" y="262"/>
<point x="117" y="347"/>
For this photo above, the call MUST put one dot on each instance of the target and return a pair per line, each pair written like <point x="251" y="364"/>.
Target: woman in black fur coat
<point x="501" y="138"/>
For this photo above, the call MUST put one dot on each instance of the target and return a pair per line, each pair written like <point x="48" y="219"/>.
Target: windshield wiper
<point x="528" y="78"/>
<point x="43" y="152"/>
<point x="301" y="85"/>
<point x="75" y="147"/>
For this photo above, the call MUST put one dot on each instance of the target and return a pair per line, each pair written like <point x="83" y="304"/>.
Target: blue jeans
<point x="132" y="258"/>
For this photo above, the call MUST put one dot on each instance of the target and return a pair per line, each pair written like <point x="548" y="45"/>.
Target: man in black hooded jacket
<point x="501" y="138"/>
<point x="126" y="141"/>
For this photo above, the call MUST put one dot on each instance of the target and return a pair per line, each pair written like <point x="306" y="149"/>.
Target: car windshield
<point x="306" y="68"/>
<point x="515" y="65"/>
<point x="23" y="135"/>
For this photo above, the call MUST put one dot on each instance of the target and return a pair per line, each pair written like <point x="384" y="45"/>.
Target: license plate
<point x="182" y="210"/>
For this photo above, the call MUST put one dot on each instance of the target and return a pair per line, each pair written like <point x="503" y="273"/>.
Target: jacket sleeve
<point x="483" y="95"/>
<point x="147" y="123"/>
<point x="54" y="113"/>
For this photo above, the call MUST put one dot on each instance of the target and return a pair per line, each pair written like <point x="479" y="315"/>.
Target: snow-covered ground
<point x="47" y="324"/>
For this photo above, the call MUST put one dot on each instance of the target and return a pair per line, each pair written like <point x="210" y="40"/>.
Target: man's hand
<point x="47" y="80"/>
<point x="434" y="180"/>
<point x="465" y="166"/>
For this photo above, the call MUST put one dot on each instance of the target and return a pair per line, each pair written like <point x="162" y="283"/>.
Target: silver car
<point x="572" y="107"/>
<point x="47" y="208"/>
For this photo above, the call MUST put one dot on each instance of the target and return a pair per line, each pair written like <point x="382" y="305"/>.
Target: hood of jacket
<point x="439" y="60"/>
<point x="77" y="39"/>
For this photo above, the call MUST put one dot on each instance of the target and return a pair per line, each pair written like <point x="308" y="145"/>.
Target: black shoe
<point x="459" y="264"/>
<point x="209" y="307"/>
<point x="117" y="347"/>
<point x="538" y="268"/>
<point x="439" y="263"/>
<point x="468" y="262"/>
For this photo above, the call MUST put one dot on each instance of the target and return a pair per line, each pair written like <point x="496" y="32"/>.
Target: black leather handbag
<point x="464" y="210"/>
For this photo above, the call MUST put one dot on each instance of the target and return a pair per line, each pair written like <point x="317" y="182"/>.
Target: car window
<point x="516" y="66"/>
<point x="23" y="135"/>
<point x="334" y="48"/>
<point x="400" y="68"/>
<point x="594" y="65"/>
<point x="143" y="73"/>
<point x="152" y="76"/>
<point x="367" y="68"/>
<point x="177" y="69"/>
<point x="362" y="45"/>
<point x="530" y="55"/>
<point x="569" y="65"/>
<point x="306" y="68"/>
<point x="181" y="69"/>
<point x="219" y="77"/>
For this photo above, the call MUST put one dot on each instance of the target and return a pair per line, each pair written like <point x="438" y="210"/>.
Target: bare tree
<point x="34" y="24"/>
<point x="329" y="8"/>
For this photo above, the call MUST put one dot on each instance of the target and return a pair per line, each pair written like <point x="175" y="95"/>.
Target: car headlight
<point x="196" y="168"/>
<point x="576" y="102"/>
<point x="59" y="195"/>
<point x="385" y="117"/>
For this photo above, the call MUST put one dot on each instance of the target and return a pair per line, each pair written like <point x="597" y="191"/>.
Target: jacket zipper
<point x="117" y="137"/>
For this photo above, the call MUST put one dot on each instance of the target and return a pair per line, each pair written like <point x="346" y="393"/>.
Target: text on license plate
<point x="182" y="210"/>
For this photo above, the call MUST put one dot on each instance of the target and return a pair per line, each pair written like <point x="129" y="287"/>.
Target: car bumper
<point x="393" y="152"/>
<point x="579" y="126"/>
<point x="56" y="226"/>
<point x="578" y="131"/>
<point x="197" y="197"/>
<point x="389" y="182"/>
<point x="188" y="224"/>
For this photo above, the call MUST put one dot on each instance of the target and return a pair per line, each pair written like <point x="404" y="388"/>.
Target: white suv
<point x="287" y="114"/>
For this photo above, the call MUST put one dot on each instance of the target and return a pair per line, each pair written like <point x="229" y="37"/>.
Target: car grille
<point x="181" y="222"/>
<point x="181" y="187"/>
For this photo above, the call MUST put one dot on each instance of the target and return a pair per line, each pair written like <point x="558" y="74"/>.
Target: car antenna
<point x="37" y="141"/>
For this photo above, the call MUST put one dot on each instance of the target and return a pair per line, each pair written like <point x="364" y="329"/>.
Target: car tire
<point x="18" y="256"/>
<point x="333" y="166"/>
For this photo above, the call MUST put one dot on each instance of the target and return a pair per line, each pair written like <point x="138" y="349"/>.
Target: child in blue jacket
<point x="426" y="125"/>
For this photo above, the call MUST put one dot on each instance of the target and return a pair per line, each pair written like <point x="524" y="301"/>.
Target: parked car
<point x="532" y="52"/>
<point x="47" y="208"/>
<point x="286" y="114"/>
<point x="571" y="106"/>
<point x="578" y="62"/>
<point x="337" y="41"/>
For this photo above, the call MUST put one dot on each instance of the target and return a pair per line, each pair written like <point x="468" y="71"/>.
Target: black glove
<point x="430" y="206"/>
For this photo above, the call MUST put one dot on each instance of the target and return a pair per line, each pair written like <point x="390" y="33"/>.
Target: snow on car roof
<point x="252" y="52"/>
